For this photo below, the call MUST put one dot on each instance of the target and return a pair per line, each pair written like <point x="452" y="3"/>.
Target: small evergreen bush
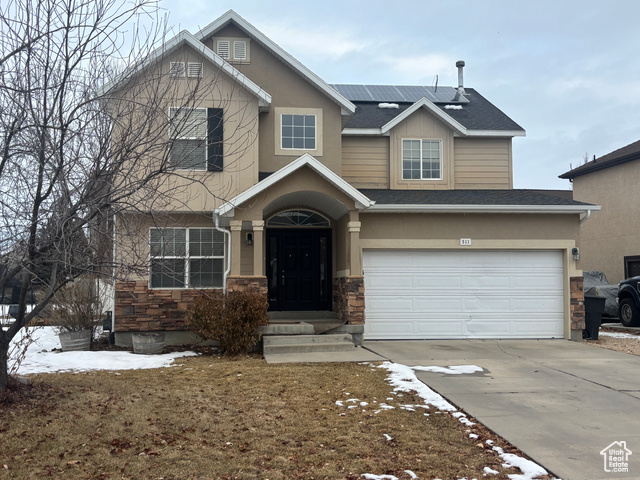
<point x="232" y="319"/>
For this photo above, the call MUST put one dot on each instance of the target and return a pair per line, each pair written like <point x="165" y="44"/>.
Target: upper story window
<point x="232" y="49"/>
<point x="298" y="130"/>
<point x="197" y="138"/>
<point x="421" y="159"/>
<point x="186" y="258"/>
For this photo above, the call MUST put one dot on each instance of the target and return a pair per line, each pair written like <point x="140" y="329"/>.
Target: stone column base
<point x="348" y="299"/>
<point x="577" y="308"/>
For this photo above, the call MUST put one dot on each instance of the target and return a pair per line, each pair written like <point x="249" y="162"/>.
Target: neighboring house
<point x="392" y="206"/>
<point x="610" y="240"/>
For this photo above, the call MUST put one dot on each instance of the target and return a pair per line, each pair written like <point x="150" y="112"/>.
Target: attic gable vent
<point x="240" y="50"/>
<point x="176" y="69"/>
<point x="194" y="69"/>
<point x="224" y="49"/>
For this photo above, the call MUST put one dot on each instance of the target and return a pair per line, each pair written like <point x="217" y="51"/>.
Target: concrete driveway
<point x="560" y="402"/>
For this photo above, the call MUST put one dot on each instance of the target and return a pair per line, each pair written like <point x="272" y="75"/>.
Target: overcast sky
<point x="567" y="71"/>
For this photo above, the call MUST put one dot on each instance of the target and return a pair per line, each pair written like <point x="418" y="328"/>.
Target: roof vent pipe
<point x="460" y="65"/>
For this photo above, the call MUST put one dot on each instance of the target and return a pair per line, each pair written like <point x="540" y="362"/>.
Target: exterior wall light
<point x="576" y="253"/>
<point x="249" y="239"/>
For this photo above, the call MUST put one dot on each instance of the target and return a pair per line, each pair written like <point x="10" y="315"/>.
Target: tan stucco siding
<point x="190" y="190"/>
<point x="288" y="90"/>
<point x="421" y="125"/>
<point x="614" y="232"/>
<point x="479" y="227"/>
<point x="483" y="163"/>
<point x="365" y="161"/>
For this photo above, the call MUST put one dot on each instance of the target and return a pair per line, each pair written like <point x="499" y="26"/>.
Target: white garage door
<point x="415" y="294"/>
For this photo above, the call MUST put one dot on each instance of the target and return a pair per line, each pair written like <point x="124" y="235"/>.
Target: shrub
<point x="77" y="306"/>
<point x="232" y="319"/>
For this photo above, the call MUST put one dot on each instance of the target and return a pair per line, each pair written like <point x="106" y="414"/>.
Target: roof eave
<point x="454" y="208"/>
<point x="347" y="108"/>
<point x="496" y="133"/>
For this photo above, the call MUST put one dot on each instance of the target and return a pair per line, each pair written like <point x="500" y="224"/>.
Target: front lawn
<point x="219" y="418"/>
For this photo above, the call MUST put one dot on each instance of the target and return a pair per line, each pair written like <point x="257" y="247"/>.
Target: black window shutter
<point x="215" y="162"/>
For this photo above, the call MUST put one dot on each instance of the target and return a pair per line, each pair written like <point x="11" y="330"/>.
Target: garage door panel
<point x="440" y="282"/>
<point x="486" y="304"/>
<point x="436" y="304"/>
<point x="486" y="281"/>
<point x="539" y="304"/>
<point x="463" y="294"/>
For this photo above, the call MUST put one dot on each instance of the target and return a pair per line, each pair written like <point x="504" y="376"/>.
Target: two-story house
<point x="392" y="206"/>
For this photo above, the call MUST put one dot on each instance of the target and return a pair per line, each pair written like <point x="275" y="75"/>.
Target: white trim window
<point x="421" y="159"/>
<point x="186" y="258"/>
<point x="298" y="132"/>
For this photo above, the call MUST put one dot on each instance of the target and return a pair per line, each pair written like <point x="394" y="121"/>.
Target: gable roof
<point x="359" y="198"/>
<point x="180" y="40"/>
<point x="623" y="155"/>
<point x="478" y="116"/>
<point x="232" y="17"/>
<point x="473" y="201"/>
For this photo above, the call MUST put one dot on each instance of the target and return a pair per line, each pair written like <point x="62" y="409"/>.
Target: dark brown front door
<point x="299" y="269"/>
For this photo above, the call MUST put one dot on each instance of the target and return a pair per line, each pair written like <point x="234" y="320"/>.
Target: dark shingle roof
<point x="622" y="155"/>
<point x="467" y="197"/>
<point x="477" y="114"/>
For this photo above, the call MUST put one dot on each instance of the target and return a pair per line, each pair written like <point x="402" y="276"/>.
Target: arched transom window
<point x="298" y="218"/>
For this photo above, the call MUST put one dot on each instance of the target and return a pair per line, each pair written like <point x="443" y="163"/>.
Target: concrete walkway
<point x="560" y="402"/>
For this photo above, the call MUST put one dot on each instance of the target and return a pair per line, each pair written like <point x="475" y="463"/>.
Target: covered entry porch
<point x="296" y="236"/>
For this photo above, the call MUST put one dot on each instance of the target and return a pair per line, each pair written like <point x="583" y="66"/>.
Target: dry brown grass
<point x="220" y="418"/>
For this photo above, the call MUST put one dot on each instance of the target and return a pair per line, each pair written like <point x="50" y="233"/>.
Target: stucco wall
<point x="288" y="89"/>
<point x="614" y="232"/>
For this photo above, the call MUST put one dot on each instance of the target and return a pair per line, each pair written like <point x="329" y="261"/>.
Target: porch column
<point x="236" y="245"/>
<point x="258" y="248"/>
<point x="353" y="228"/>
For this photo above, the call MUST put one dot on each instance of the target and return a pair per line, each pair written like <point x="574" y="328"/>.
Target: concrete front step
<point x="307" y="343"/>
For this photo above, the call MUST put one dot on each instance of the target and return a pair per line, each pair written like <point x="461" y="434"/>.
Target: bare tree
<point x="68" y="145"/>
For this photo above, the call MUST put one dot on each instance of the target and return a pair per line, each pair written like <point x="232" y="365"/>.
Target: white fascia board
<point x="537" y="209"/>
<point x="364" y="131"/>
<point x="496" y="133"/>
<point x="257" y="35"/>
<point x="429" y="105"/>
<point x="186" y="38"/>
<point x="362" y="201"/>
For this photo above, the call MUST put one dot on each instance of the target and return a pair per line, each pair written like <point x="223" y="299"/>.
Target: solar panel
<point x="399" y="93"/>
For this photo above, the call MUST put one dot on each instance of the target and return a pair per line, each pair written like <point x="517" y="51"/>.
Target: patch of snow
<point x="354" y="400"/>
<point x="490" y="471"/>
<point x="619" y="335"/>
<point x="384" y="406"/>
<point x="40" y="359"/>
<point x="411" y="474"/>
<point x="371" y="476"/>
<point x="529" y="469"/>
<point x="364" y="404"/>
<point x="403" y="379"/>
<point x="388" y="105"/>
<point x="473" y="435"/>
<point x="453" y="370"/>
<point x="339" y="403"/>
<point x="453" y="107"/>
<point x="387" y="437"/>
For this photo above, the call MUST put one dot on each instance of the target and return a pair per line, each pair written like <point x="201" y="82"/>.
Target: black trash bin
<point x="593" y="310"/>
